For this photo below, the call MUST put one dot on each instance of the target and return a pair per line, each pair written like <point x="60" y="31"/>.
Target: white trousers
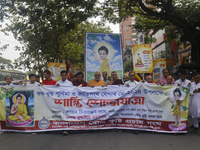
<point x="195" y="122"/>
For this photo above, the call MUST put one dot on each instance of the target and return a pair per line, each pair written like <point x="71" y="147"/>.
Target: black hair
<point x="130" y="73"/>
<point x="7" y="77"/>
<point x="164" y="70"/>
<point x="103" y="48"/>
<point x="37" y="76"/>
<point x="31" y="75"/>
<point x="63" y="71"/>
<point x="183" y="72"/>
<point x="19" y="95"/>
<point x="80" y="73"/>
<point x="47" y="72"/>
<point x="113" y="72"/>
<point x="177" y="90"/>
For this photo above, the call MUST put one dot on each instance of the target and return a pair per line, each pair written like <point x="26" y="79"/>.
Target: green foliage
<point x="2" y="95"/>
<point x="179" y="18"/>
<point x="128" y="65"/>
<point x="51" y="30"/>
<point x="10" y="93"/>
<point x="5" y="63"/>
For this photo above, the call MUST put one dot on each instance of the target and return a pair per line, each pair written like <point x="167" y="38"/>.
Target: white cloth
<point x="34" y="84"/>
<point x="142" y="82"/>
<point x="65" y="83"/>
<point x="183" y="83"/>
<point x="11" y="84"/>
<point x="132" y="83"/>
<point x="195" y="101"/>
<point x="195" y="122"/>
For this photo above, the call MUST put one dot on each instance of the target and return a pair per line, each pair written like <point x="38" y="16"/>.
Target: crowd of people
<point x="185" y="80"/>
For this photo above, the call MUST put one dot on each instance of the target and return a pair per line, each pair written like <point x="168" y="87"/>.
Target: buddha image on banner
<point x="142" y="58"/>
<point x="103" y="53"/>
<point x="20" y="108"/>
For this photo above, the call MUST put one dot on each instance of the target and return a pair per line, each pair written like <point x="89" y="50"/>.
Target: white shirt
<point x="11" y="84"/>
<point x="193" y="87"/>
<point x="65" y="83"/>
<point x="183" y="83"/>
<point x="132" y="83"/>
<point x="34" y="84"/>
<point x="142" y="82"/>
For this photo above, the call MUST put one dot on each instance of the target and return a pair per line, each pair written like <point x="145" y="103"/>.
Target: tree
<point x="41" y="26"/>
<point x="71" y="46"/>
<point x="5" y="63"/>
<point x="179" y="17"/>
<point x="128" y="65"/>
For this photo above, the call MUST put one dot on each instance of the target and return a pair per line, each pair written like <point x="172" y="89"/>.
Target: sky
<point x="10" y="52"/>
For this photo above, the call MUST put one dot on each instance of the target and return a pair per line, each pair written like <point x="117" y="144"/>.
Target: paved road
<point x="96" y="140"/>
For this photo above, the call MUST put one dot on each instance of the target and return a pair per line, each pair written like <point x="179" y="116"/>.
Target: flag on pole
<point x="69" y="75"/>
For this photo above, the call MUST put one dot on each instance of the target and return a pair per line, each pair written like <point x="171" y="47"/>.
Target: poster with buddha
<point x="142" y="58"/>
<point x="103" y="53"/>
<point x="20" y="108"/>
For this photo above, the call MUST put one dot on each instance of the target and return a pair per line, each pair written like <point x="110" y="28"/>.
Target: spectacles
<point x="96" y="75"/>
<point x="131" y="75"/>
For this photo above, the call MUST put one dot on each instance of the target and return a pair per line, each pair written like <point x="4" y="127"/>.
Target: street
<point x="100" y="140"/>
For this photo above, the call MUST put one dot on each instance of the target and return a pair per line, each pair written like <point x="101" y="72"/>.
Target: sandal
<point x="195" y="130"/>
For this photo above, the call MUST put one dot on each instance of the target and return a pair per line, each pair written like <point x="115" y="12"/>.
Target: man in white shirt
<point x="183" y="81"/>
<point x="64" y="81"/>
<point x="32" y="81"/>
<point x="8" y="81"/>
<point x="131" y="81"/>
<point x="195" y="103"/>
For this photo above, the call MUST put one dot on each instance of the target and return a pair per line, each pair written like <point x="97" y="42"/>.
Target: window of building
<point x="127" y="36"/>
<point x="127" y="30"/>
<point x="127" y="20"/>
<point x="127" y="42"/>
<point x="127" y="25"/>
<point x="133" y="36"/>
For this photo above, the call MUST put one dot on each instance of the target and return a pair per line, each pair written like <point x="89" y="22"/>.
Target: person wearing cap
<point x="183" y="81"/>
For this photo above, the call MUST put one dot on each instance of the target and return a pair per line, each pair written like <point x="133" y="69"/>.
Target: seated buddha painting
<point x="19" y="109"/>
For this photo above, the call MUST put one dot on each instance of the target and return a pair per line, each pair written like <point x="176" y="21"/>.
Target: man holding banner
<point x="48" y="80"/>
<point x="64" y="81"/>
<point x="131" y="81"/>
<point x="97" y="81"/>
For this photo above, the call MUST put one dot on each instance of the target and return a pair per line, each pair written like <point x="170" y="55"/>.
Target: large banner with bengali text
<point x="49" y="108"/>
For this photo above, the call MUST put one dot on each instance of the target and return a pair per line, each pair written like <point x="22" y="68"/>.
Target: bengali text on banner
<point x="49" y="108"/>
